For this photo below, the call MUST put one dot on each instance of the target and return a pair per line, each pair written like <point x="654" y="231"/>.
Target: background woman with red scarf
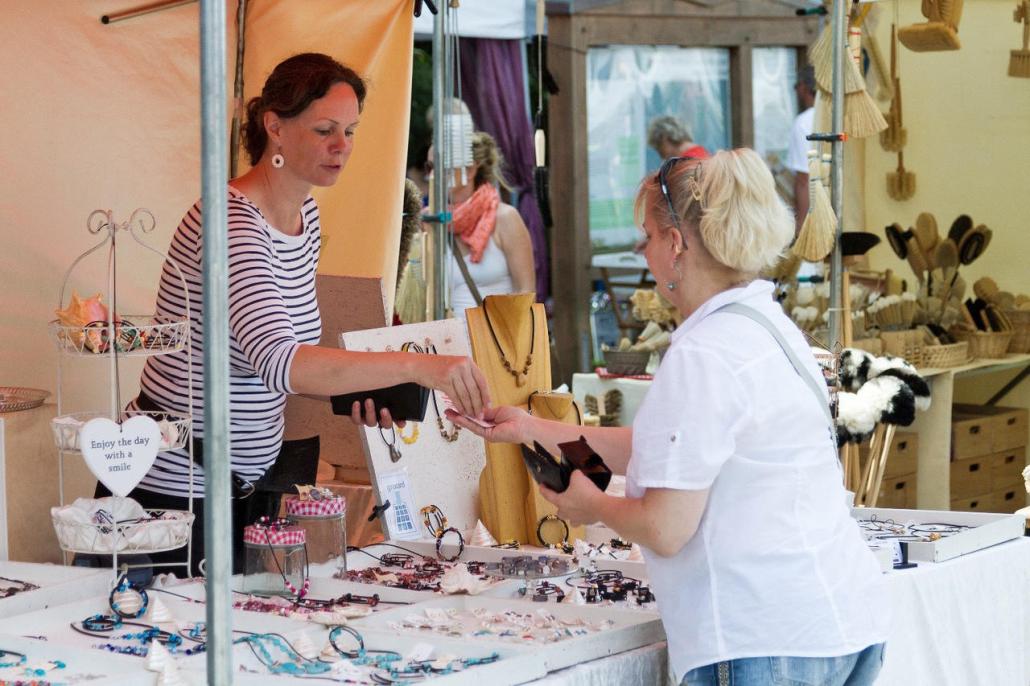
<point x="489" y="234"/>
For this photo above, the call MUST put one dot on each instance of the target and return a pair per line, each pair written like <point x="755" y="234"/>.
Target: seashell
<point x="305" y="647"/>
<point x="481" y="536"/>
<point x="158" y="612"/>
<point x="157" y="657"/>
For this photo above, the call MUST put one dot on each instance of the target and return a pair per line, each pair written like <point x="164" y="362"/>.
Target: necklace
<point x="449" y="436"/>
<point x="409" y="440"/>
<point x="9" y="590"/>
<point x="520" y="377"/>
<point x="395" y="452"/>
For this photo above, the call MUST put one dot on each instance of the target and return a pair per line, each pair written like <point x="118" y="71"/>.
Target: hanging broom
<point x="894" y="137"/>
<point x="815" y="240"/>
<point x="901" y="183"/>
<point x="862" y="118"/>
<point x="1019" y="60"/>
<point x="410" y="300"/>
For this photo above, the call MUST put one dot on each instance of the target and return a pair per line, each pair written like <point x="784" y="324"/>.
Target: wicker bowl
<point x="941" y="356"/>
<point x="1020" y="342"/>
<point x="984" y="344"/>
<point x="626" y="362"/>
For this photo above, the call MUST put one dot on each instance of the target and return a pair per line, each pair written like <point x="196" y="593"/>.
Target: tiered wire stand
<point x="111" y="341"/>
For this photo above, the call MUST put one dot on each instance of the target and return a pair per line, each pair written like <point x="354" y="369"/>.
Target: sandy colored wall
<point x="968" y="128"/>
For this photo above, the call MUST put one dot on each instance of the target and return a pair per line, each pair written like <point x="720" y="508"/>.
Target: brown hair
<point x="294" y="84"/>
<point x="488" y="160"/>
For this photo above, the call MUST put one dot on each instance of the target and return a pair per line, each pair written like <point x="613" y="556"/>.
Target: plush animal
<point x="876" y="390"/>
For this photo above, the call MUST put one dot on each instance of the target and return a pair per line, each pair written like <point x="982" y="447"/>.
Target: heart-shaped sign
<point x="120" y="455"/>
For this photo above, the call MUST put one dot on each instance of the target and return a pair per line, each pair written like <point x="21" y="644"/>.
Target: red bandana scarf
<point x="475" y="219"/>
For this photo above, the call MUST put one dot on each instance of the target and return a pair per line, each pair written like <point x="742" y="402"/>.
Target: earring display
<point x="480" y="623"/>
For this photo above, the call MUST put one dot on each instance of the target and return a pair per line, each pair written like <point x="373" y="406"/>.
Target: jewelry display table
<point x="57" y="585"/>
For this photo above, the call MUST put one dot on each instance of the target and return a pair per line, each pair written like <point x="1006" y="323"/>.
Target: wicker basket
<point x="984" y="344"/>
<point x="907" y="345"/>
<point x="941" y="356"/>
<point x="626" y="362"/>
<point x="1020" y="342"/>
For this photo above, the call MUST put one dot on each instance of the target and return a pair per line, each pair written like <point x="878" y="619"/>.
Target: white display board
<point x="436" y="471"/>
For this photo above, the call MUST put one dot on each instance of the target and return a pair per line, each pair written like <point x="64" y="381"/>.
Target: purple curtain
<point x="493" y="88"/>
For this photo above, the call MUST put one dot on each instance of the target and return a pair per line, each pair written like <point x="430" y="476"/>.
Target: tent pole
<point x="435" y="267"/>
<point x="839" y="27"/>
<point x="214" y="163"/>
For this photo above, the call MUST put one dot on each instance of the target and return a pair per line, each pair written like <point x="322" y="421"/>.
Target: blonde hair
<point x="730" y="201"/>
<point x="488" y="160"/>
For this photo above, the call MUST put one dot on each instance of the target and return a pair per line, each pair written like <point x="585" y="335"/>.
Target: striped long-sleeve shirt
<point x="272" y="309"/>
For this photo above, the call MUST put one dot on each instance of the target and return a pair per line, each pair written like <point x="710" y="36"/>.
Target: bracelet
<point x="101" y="623"/>
<point x="565" y="535"/>
<point x="349" y="654"/>
<point x="127" y="593"/>
<point x="21" y="659"/>
<point x="434" y="520"/>
<point x="439" y="542"/>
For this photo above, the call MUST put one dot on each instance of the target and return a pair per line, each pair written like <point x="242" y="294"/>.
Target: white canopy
<point x="485" y="19"/>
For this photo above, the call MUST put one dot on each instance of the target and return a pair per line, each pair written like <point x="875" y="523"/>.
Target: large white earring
<point x="278" y="160"/>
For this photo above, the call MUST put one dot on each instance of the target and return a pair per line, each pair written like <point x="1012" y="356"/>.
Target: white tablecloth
<point x="964" y="622"/>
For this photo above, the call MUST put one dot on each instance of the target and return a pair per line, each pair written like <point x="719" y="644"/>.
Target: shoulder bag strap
<point x="468" y="277"/>
<point x="799" y="367"/>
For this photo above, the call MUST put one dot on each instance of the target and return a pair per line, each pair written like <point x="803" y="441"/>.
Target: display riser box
<point x="988" y="529"/>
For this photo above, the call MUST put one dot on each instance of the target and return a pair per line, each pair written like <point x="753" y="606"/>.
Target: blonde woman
<point x="490" y="236"/>
<point x="733" y="486"/>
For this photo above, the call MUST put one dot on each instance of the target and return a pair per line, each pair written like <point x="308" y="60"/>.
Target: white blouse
<point x="778" y="566"/>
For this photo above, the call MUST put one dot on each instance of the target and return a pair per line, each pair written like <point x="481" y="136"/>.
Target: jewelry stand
<point x="518" y="327"/>
<point x="561" y="408"/>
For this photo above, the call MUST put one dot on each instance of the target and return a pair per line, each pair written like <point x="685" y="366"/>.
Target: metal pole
<point x="434" y="266"/>
<point x="837" y="168"/>
<point x="143" y="9"/>
<point x="214" y="162"/>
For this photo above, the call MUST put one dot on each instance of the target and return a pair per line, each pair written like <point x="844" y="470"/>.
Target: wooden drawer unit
<point x="978" y="503"/>
<point x="1007" y="468"/>
<point x="898" y="493"/>
<point x="1009" y="499"/>
<point x="902" y="458"/>
<point x="970" y="477"/>
<point x="980" y="430"/>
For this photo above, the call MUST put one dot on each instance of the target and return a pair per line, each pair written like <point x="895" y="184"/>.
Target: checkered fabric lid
<point x="257" y="534"/>
<point x="329" y="507"/>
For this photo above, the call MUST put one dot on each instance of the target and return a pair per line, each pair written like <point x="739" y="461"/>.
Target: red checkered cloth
<point x="603" y="373"/>
<point x="330" y="507"/>
<point x="256" y="534"/>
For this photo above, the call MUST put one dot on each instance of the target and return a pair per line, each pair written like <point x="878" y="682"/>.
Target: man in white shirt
<point x="797" y="152"/>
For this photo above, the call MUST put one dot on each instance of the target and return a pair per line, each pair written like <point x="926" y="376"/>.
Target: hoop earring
<point x="278" y="160"/>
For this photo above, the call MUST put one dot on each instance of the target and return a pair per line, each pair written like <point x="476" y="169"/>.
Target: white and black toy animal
<point x="876" y="390"/>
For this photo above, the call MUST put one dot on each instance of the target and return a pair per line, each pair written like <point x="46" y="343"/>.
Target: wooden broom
<point x="1019" y="60"/>
<point x="818" y="232"/>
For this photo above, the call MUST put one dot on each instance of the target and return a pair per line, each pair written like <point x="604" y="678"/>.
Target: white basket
<point x="138" y="335"/>
<point x="174" y="427"/>
<point x="170" y="532"/>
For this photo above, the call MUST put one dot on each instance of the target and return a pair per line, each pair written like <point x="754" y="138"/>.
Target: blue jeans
<point x="857" y="669"/>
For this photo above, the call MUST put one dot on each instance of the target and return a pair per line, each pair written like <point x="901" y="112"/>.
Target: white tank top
<point x="490" y="275"/>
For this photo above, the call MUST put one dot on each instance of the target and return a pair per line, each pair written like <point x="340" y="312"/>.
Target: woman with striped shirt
<point x="299" y="134"/>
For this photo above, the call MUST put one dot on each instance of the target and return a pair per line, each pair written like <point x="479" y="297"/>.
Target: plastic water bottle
<point x="604" y="329"/>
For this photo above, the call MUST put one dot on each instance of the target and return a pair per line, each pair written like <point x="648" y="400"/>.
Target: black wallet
<point x="555" y="474"/>
<point x="406" y="401"/>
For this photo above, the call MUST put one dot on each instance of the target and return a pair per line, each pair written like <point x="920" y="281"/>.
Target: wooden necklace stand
<point x="519" y="327"/>
<point x="561" y="408"/>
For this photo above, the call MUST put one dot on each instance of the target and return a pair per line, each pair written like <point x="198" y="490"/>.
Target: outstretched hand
<point x="510" y="424"/>
<point x="459" y="379"/>
<point x="579" y="503"/>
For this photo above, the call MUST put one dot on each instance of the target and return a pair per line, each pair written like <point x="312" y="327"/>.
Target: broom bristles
<point x="815" y="240"/>
<point x="862" y="118"/>
<point x="1019" y="64"/>
<point x="821" y="57"/>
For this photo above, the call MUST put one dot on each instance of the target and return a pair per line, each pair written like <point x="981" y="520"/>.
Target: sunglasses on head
<point x="663" y="182"/>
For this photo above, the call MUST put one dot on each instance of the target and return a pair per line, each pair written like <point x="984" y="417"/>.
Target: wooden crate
<point x="970" y="477"/>
<point x="1008" y="499"/>
<point x="1007" y="468"/>
<point x="978" y="503"/>
<point x="898" y="493"/>
<point x="981" y="430"/>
